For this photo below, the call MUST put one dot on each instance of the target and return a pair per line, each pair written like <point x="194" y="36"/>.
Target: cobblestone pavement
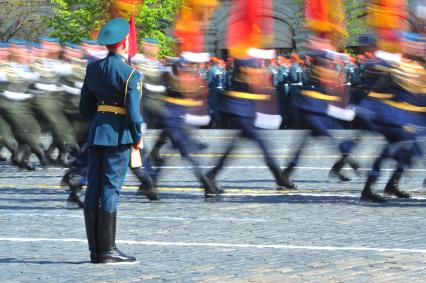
<point x="320" y="233"/>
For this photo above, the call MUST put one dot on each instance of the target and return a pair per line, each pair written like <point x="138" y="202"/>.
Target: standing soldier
<point x="296" y="83"/>
<point x="110" y="98"/>
<point x="216" y="76"/>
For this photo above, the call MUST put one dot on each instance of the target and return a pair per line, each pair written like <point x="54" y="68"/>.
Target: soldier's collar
<point x="122" y="58"/>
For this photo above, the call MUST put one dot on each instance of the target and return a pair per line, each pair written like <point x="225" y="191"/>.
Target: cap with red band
<point x="113" y="34"/>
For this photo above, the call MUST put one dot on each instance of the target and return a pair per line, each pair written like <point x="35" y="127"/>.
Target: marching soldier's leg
<point x="181" y="141"/>
<point x="368" y="193"/>
<point x="288" y="171"/>
<point x="392" y="187"/>
<point x="216" y="169"/>
<point x="155" y="152"/>
<point x="146" y="176"/>
<point x="115" y="162"/>
<point x="248" y="131"/>
<point x="6" y="139"/>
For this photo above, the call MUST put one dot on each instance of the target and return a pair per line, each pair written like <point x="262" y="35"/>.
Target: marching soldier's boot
<point x="74" y="196"/>
<point x="279" y="178"/>
<point x="207" y="184"/>
<point x="107" y="251"/>
<point x="90" y="220"/>
<point x="25" y="161"/>
<point x="39" y="152"/>
<point x="285" y="176"/>
<point x="146" y="187"/>
<point x="336" y="170"/>
<point x="424" y="183"/>
<point x="392" y="186"/>
<point x="353" y="163"/>
<point x="368" y="194"/>
<point x="49" y="154"/>
<point x="17" y="158"/>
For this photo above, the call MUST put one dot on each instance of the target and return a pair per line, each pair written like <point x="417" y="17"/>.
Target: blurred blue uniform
<point x="238" y="106"/>
<point x="313" y="103"/>
<point x="110" y="98"/>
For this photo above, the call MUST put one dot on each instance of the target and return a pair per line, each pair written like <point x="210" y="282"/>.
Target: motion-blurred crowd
<point x="383" y="91"/>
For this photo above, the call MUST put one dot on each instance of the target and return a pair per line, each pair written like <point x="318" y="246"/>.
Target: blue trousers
<point x="107" y="170"/>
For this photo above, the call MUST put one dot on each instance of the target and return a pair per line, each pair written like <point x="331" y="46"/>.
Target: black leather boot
<point x="209" y="187"/>
<point x="107" y="251"/>
<point x="392" y="186"/>
<point x="336" y="170"/>
<point x="368" y="194"/>
<point x="91" y="222"/>
<point x="25" y="161"/>
<point x="17" y="157"/>
<point x="74" y="196"/>
<point x="424" y="183"/>
<point x="146" y="188"/>
<point x="285" y="177"/>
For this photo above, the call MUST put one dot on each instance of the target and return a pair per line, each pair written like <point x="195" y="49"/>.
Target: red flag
<point x="133" y="42"/>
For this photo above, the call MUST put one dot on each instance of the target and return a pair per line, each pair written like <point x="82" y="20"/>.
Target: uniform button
<point x="115" y="113"/>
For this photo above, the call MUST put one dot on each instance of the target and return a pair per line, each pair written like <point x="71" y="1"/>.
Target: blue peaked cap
<point x="49" y="39"/>
<point x="16" y="41"/>
<point x="113" y="31"/>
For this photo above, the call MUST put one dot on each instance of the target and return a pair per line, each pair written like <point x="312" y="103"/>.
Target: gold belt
<point x="247" y="95"/>
<point x="380" y="95"/>
<point x="405" y="106"/>
<point x="319" y="95"/>
<point x="112" y="109"/>
<point x="183" y="101"/>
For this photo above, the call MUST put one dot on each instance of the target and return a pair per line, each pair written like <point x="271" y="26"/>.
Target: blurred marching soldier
<point x="7" y="139"/>
<point x="183" y="88"/>
<point x="152" y="70"/>
<point x="71" y="84"/>
<point x="110" y="98"/>
<point x="48" y="98"/>
<point x="247" y="85"/>
<point x="153" y="110"/>
<point x="396" y="102"/>
<point x="320" y="103"/>
<point x="16" y="106"/>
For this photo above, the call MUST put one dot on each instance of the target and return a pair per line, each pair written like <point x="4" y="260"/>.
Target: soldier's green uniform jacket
<point x="115" y="87"/>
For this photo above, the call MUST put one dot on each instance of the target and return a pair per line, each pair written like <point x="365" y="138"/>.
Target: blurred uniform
<point x="48" y="100"/>
<point x="395" y="107"/>
<point x="320" y="103"/>
<point x="183" y="88"/>
<point x="6" y="134"/>
<point x="238" y="106"/>
<point x="71" y="84"/>
<point x="16" y="106"/>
